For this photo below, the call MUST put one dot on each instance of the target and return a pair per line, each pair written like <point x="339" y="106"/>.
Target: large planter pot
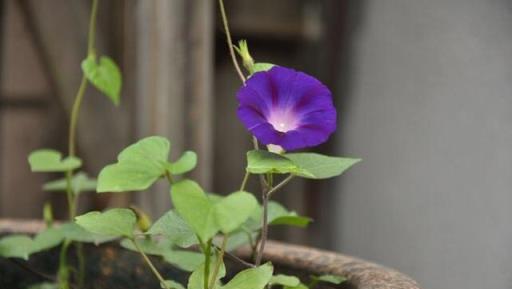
<point x="112" y="267"/>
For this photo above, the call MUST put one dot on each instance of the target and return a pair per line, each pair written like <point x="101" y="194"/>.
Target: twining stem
<point x="70" y="194"/>
<point x="264" y="185"/>
<point x="207" y="260"/>
<point x="264" y="229"/>
<point x="220" y="259"/>
<point x="229" y="41"/>
<point x="91" y="37"/>
<point x="150" y="264"/>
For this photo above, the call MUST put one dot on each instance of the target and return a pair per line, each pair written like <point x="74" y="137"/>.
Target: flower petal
<point x="287" y="108"/>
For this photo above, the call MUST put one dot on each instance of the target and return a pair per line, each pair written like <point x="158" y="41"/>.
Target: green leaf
<point x="239" y="238"/>
<point x="261" y="66"/>
<point x="74" y="232"/>
<point x="22" y="246"/>
<point x="232" y="211"/>
<point x="317" y="166"/>
<point x="16" y="246"/>
<point x="184" y="164"/>
<point x="254" y="278"/>
<point x="328" y="278"/>
<point x="175" y="229"/>
<point x="105" y="76"/>
<point x="185" y="260"/>
<point x="300" y="286"/>
<point x="207" y="217"/>
<point x="44" y="285"/>
<point x="46" y="160"/>
<point x="262" y="162"/>
<point x="47" y="239"/>
<point x="295" y="221"/>
<point x="114" y="222"/>
<point x="138" y="166"/>
<point x="277" y="215"/>
<point x="80" y="183"/>
<point x="173" y="285"/>
<point x="284" y="280"/>
<point x="196" y="279"/>
<point x="147" y="245"/>
<point x="195" y="208"/>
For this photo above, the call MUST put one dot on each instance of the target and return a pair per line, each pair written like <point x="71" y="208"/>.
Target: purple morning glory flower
<point x="287" y="108"/>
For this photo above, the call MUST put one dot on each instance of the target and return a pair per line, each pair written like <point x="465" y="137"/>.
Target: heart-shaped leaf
<point x="262" y="162"/>
<point x="196" y="279"/>
<point x="254" y="278"/>
<point x="105" y="76"/>
<point x="74" y="232"/>
<point x="175" y="229"/>
<point x="46" y="160"/>
<point x="138" y="166"/>
<point x="22" y="246"/>
<point x="232" y="211"/>
<point x="150" y="246"/>
<point x="195" y="208"/>
<point x="184" y="164"/>
<point x="118" y="222"/>
<point x="185" y="260"/>
<point x="284" y="280"/>
<point x="80" y="183"/>
<point x="16" y="246"/>
<point x="277" y="215"/>
<point x="207" y="217"/>
<point x="317" y="166"/>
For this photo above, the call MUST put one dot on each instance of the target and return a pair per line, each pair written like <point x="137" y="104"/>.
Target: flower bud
<point x="243" y="51"/>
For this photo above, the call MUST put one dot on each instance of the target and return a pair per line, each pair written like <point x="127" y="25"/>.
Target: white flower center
<point x="283" y="121"/>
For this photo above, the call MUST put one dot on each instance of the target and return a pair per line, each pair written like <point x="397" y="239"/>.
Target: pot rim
<point x="360" y="273"/>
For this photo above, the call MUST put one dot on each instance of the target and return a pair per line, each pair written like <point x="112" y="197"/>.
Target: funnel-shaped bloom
<point x="287" y="108"/>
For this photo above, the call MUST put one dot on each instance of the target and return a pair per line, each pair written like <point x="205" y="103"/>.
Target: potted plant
<point x="207" y="241"/>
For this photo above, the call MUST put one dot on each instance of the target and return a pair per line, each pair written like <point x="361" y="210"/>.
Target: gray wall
<point x="429" y="110"/>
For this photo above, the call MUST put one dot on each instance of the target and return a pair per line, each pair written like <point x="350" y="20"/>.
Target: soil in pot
<point x="109" y="267"/>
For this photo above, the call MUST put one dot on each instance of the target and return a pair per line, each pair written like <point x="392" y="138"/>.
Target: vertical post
<point x="174" y="62"/>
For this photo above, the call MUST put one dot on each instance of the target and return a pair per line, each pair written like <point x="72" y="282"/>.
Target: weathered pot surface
<point x="118" y="268"/>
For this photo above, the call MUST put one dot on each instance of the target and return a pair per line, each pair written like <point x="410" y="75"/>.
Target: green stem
<point x="207" y="260"/>
<point x="70" y="194"/>
<point x="169" y="177"/>
<point x="75" y="111"/>
<point x="244" y="182"/>
<point x="63" y="271"/>
<point x="280" y="185"/>
<point x="150" y="264"/>
<point x="91" y="36"/>
<point x="229" y="41"/>
<point x="220" y="258"/>
<point x="81" y="265"/>
<point x="264" y="229"/>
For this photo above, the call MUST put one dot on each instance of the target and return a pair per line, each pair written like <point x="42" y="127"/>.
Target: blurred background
<point x="423" y="90"/>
